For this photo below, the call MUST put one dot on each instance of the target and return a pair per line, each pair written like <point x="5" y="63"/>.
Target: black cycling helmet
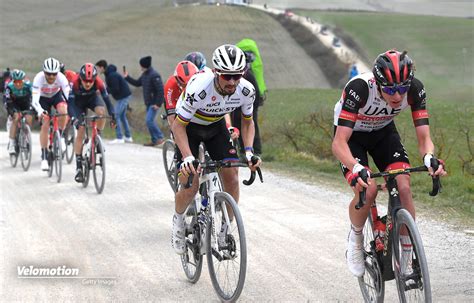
<point x="393" y="67"/>
<point x="197" y="58"/>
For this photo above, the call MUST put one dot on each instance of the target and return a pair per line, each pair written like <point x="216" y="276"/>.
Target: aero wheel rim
<point x="99" y="166"/>
<point x="227" y="264"/>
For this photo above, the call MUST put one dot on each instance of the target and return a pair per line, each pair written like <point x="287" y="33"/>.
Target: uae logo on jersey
<point x="190" y="98"/>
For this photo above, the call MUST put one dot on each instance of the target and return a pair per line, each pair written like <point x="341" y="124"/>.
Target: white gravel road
<point x="120" y="240"/>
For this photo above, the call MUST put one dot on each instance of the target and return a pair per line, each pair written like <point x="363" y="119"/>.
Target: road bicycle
<point x="55" y="154"/>
<point x="69" y="135"/>
<point x="23" y="143"/>
<point x="393" y="246"/>
<point x="93" y="153"/>
<point x="214" y="227"/>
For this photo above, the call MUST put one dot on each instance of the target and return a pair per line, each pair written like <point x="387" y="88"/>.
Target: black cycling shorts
<point x="80" y="106"/>
<point x="384" y="146"/>
<point x="46" y="103"/>
<point x="216" y="138"/>
<point x="18" y="105"/>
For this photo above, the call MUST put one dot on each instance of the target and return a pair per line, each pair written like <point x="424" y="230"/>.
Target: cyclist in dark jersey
<point x="363" y="120"/>
<point x="17" y="98"/>
<point x="85" y="88"/>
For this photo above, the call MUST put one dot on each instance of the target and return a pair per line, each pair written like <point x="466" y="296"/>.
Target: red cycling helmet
<point x="393" y="68"/>
<point x="88" y="72"/>
<point x="184" y="71"/>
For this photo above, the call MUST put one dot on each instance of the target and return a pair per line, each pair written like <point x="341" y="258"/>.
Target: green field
<point x="288" y="117"/>
<point x="442" y="47"/>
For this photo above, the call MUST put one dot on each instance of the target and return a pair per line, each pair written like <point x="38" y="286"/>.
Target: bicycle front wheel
<point x="98" y="168"/>
<point x="169" y="161"/>
<point x="409" y="260"/>
<point x="14" y="157"/>
<point x="192" y="259"/>
<point x="227" y="249"/>
<point x="25" y="147"/>
<point x="371" y="283"/>
<point x="70" y="137"/>
<point x="57" y="156"/>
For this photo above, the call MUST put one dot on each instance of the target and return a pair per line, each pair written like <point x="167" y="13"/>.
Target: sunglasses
<point x="393" y="89"/>
<point x="51" y="74"/>
<point x="180" y="81"/>
<point x="87" y="81"/>
<point x="228" y="77"/>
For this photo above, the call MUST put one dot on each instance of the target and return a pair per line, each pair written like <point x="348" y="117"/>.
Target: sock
<point x="179" y="217"/>
<point x="357" y="230"/>
<point x="78" y="161"/>
<point x="44" y="153"/>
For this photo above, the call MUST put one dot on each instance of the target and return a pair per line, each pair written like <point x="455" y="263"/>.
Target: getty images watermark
<point x="61" y="272"/>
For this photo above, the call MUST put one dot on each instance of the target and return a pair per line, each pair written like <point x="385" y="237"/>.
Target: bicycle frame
<point x="93" y="125"/>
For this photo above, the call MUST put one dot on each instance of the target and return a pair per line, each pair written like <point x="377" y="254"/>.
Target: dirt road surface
<point x="120" y="240"/>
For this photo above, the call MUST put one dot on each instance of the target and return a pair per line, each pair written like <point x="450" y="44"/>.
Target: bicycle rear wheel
<point x="192" y="259"/>
<point x="410" y="265"/>
<point x="70" y="137"/>
<point x="227" y="253"/>
<point x="169" y="161"/>
<point x="371" y="283"/>
<point x="25" y="147"/>
<point x="57" y="156"/>
<point x="98" y="168"/>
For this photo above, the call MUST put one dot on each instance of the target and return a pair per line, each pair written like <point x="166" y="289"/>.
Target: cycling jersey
<point x="41" y="88"/>
<point x="88" y="98"/>
<point x="362" y="108"/>
<point x="202" y="104"/>
<point x="173" y="91"/>
<point x="12" y="93"/>
<point x="18" y="99"/>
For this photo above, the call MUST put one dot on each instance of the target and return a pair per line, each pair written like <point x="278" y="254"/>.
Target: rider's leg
<point x="100" y="111"/>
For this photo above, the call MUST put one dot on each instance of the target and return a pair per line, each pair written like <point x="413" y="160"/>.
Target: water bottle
<point x="379" y="233"/>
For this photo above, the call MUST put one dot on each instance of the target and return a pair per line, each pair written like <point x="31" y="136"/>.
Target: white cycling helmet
<point x="51" y="65"/>
<point x="229" y="59"/>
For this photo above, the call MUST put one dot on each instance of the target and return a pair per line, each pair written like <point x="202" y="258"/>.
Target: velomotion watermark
<point x="62" y="272"/>
<point x="46" y="272"/>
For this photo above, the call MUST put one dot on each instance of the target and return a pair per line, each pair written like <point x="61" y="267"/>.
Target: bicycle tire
<point x="57" y="156"/>
<point x="98" y="168"/>
<point x="413" y="286"/>
<point x="192" y="259"/>
<point x="235" y="259"/>
<point x="25" y="147"/>
<point x="169" y="161"/>
<point x="14" y="157"/>
<point x="372" y="285"/>
<point x="85" y="165"/>
<point x="70" y="138"/>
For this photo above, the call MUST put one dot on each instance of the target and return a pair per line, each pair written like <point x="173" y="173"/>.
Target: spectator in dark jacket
<point x="153" y="96"/>
<point x="118" y="88"/>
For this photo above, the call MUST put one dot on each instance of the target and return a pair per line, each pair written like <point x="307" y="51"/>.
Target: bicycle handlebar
<point x="220" y="164"/>
<point x="437" y="187"/>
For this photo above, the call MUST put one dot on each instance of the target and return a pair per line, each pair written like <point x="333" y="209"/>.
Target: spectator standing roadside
<point x="118" y="88"/>
<point x="353" y="71"/>
<point x="153" y="96"/>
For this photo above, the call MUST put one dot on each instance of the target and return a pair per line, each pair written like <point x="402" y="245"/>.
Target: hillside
<point x="121" y="32"/>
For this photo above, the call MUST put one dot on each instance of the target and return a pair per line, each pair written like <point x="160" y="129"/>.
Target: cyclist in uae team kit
<point x="200" y="118"/>
<point x="363" y="120"/>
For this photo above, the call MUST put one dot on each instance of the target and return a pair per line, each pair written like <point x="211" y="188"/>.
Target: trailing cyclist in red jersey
<point x="362" y="108"/>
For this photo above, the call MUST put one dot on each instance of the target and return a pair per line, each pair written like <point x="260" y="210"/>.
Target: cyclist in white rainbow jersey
<point x="200" y="111"/>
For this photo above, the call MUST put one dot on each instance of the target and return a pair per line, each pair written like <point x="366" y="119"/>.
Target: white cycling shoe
<point x="44" y="165"/>
<point x="178" y="239"/>
<point x="355" y="254"/>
